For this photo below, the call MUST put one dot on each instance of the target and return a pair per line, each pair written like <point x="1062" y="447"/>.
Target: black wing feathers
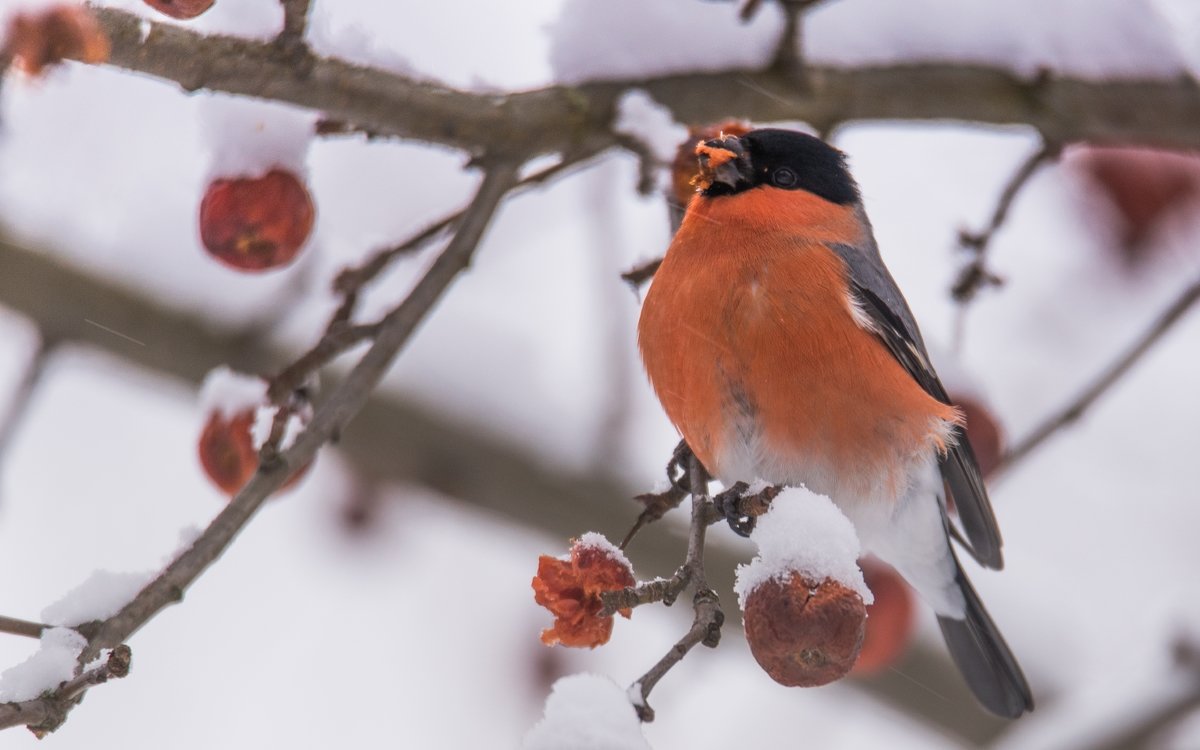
<point x="881" y="300"/>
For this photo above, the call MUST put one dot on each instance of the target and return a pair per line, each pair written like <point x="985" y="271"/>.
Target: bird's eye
<point x="784" y="177"/>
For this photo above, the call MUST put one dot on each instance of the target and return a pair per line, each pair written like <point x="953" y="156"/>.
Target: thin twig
<point x="975" y="275"/>
<point x="706" y="625"/>
<point x="333" y="414"/>
<point x="333" y="343"/>
<point x="641" y="273"/>
<point x="789" y="55"/>
<point x="658" y="503"/>
<point x="665" y="590"/>
<point x="14" y="626"/>
<point x="340" y="335"/>
<point x="345" y="401"/>
<point x="44" y="714"/>
<point x="22" y="395"/>
<point x="1107" y="379"/>
<point x="295" y="24"/>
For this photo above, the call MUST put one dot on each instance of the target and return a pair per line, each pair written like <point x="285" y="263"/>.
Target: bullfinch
<point x="782" y="350"/>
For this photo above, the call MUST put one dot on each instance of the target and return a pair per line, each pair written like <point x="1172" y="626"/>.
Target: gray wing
<point x="880" y="299"/>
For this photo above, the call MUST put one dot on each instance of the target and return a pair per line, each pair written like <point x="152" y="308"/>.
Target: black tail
<point x="983" y="658"/>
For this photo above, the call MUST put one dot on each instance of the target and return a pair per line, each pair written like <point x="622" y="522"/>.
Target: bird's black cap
<point x="784" y="159"/>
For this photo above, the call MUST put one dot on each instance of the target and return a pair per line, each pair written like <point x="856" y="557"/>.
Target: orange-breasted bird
<point x="782" y="350"/>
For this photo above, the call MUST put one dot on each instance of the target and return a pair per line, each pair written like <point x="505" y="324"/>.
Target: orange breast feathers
<point x="747" y="334"/>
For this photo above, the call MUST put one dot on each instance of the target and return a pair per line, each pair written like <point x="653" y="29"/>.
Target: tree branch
<point x="13" y="626"/>
<point x="22" y="395"/>
<point x="46" y="713"/>
<point x="345" y="401"/>
<point x="976" y="275"/>
<point x="708" y="618"/>
<point x="295" y="23"/>
<point x="339" y="334"/>
<point x="1107" y="379"/>
<point x="394" y="440"/>
<point x="349" y="396"/>
<point x="562" y="119"/>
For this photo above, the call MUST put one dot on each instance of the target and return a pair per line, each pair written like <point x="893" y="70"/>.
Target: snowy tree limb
<point x="332" y="415"/>
<point x="563" y="118"/>
<point x="44" y="714"/>
<point x="343" y="403"/>
<point x="393" y="440"/>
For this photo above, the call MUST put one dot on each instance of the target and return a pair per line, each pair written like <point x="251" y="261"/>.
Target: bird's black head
<point x="783" y="159"/>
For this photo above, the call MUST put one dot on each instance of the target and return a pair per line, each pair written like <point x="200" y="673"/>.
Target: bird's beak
<point x="724" y="166"/>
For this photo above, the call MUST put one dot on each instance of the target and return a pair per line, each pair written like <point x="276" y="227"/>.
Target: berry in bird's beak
<point x="724" y="166"/>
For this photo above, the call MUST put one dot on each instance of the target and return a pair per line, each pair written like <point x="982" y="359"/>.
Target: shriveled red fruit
<point x="228" y="455"/>
<point x="36" y="41"/>
<point x="254" y="224"/>
<point x="1144" y="185"/>
<point x="571" y="589"/>
<point x="180" y="8"/>
<point x="983" y="432"/>
<point x="890" y="619"/>
<point x="802" y="633"/>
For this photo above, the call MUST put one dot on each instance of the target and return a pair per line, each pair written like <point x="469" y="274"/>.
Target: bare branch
<point x="395" y="329"/>
<point x="706" y="625"/>
<point x="13" y="626"/>
<point x="563" y="119"/>
<point x="976" y="275"/>
<point x="789" y="56"/>
<point x="664" y="590"/>
<point x="640" y="274"/>
<point x="295" y="23"/>
<point x="1107" y="379"/>
<point x="22" y="394"/>
<point x="46" y="713"/>
<point x="340" y="335"/>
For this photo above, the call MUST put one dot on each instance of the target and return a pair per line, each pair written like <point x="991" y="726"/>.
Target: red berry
<point x="571" y="590"/>
<point x="180" y="8"/>
<point x="228" y="455"/>
<point x="801" y="633"/>
<point x="1144" y="185"/>
<point x="890" y="620"/>
<point x="254" y="224"/>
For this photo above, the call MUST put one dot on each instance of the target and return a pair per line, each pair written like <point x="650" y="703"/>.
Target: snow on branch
<point x="564" y="118"/>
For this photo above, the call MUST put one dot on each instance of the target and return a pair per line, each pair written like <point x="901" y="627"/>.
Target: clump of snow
<point x="636" y="39"/>
<point x="230" y="392"/>
<point x="1182" y="19"/>
<point x="1088" y="38"/>
<point x="100" y="596"/>
<point x="52" y="664"/>
<point x="264" y="420"/>
<point x="803" y="532"/>
<point x="645" y="120"/>
<point x="249" y="19"/>
<point x="587" y="712"/>
<point x="248" y="137"/>
<point x="598" y="541"/>
<point x="332" y="33"/>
